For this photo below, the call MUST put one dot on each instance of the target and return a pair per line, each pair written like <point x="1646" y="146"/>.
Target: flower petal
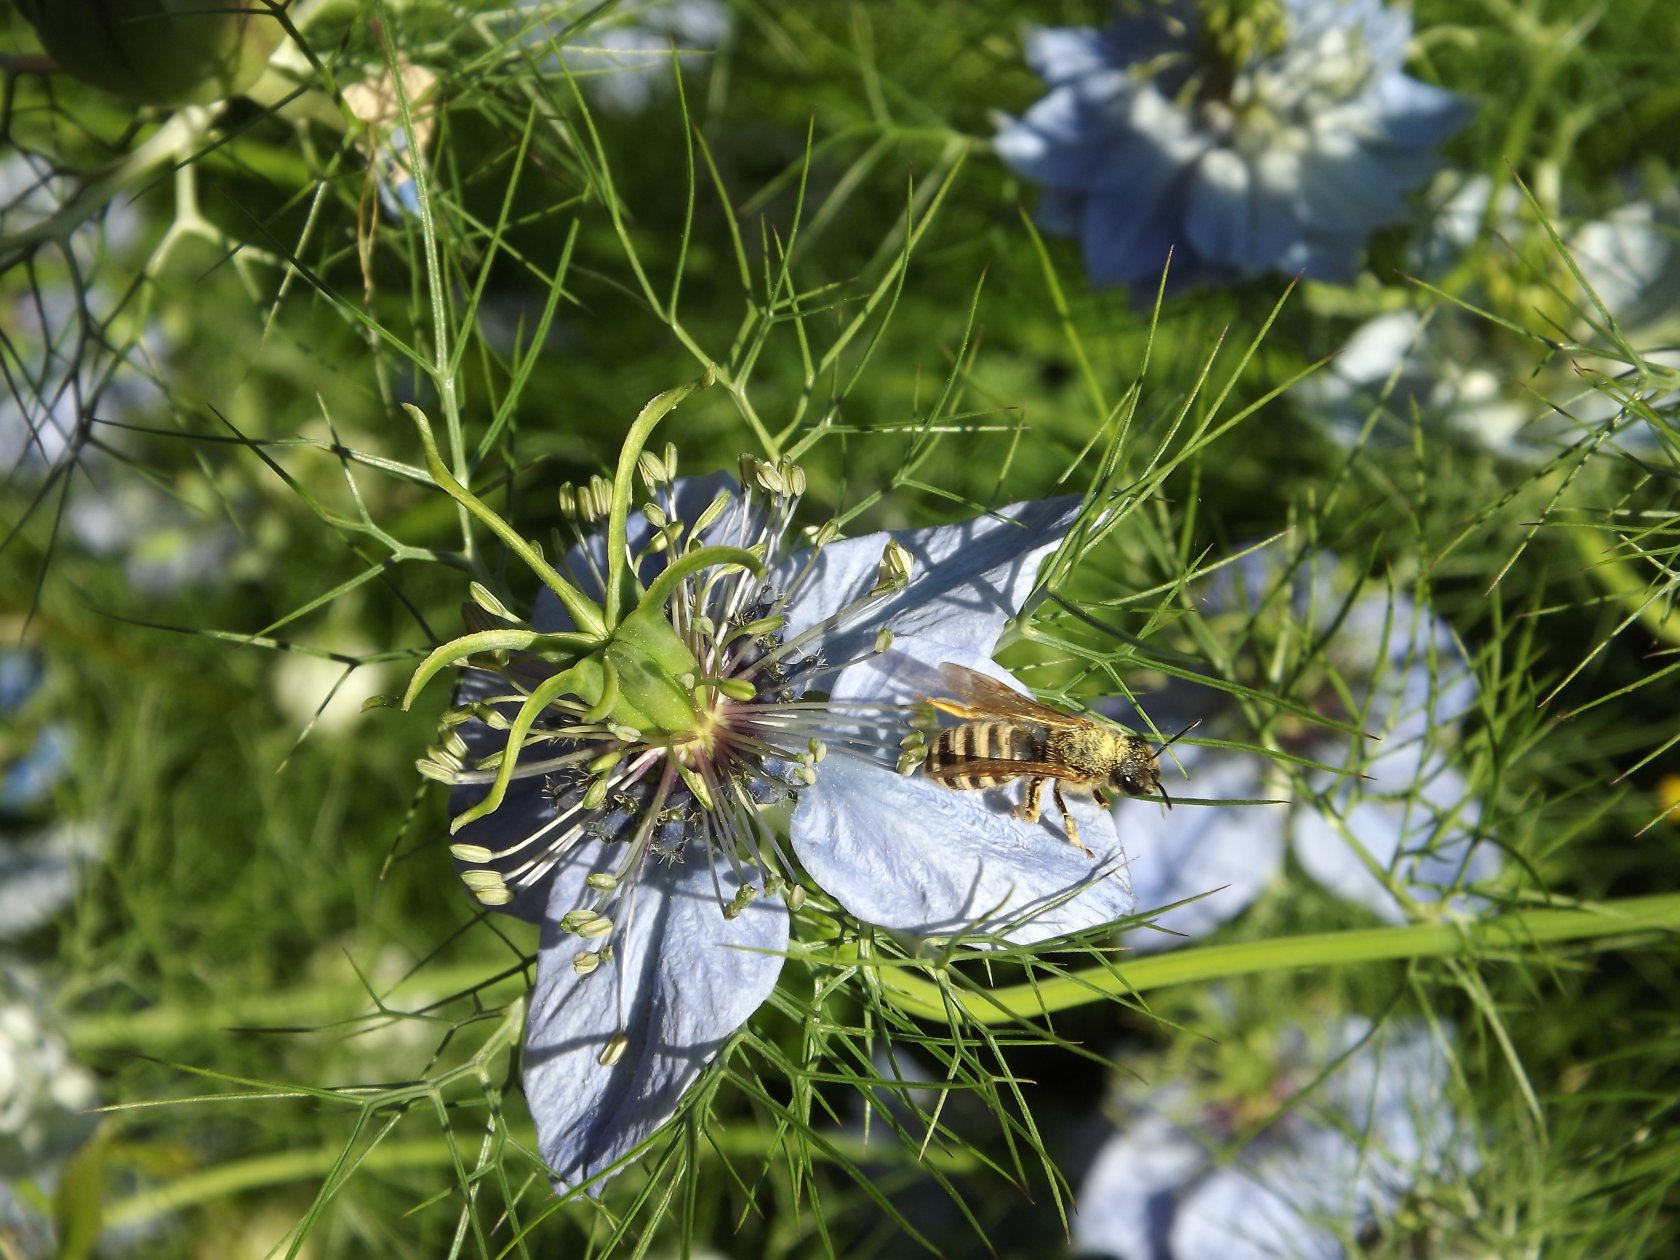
<point x="1426" y="843"/>
<point x="1222" y="855"/>
<point x="968" y="581"/>
<point x="1058" y="54"/>
<point x="1128" y="1199"/>
<point x="910" y="855"/>
<point x="684" y="978"/>
<point x="36" y="881"/>
<point x="1391" y="1088"/>
<point x="1286" y="1204"/>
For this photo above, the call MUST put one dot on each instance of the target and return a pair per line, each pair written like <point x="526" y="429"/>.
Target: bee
<point x="1005" y="735"/>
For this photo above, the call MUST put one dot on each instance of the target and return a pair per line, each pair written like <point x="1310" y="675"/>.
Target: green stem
<point x="284" y="1168"/>
<point x="619" y="599"/>
<point x="327" y="1007"/>
<point x="1648" y="599"/>
<point x="391" y="1155"/>
<point x="1514" y="932"/>
<point x="170" y="143"/>
<point x="691" y="562"/>
<point x="543" y="695"/>
<point x="585" y="615"/>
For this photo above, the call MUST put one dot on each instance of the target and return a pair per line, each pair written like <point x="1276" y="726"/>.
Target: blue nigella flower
<point x="659" y="868"/>
<point x="1394" y="831"/>
<point x="62" y="367"/>
<point x="1273" y="141"/>
<point x="1338" y="1156"/>
<point x="1449" y="369"/>
<point x="622" y="57"/>
<point x="37" y="863"/>
<point x="45" y="1100"/>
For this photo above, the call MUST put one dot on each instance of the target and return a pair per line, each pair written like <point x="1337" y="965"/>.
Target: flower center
<point x="700" y="711"/>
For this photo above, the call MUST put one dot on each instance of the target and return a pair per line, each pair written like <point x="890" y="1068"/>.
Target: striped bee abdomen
<point x="985" y="739"/>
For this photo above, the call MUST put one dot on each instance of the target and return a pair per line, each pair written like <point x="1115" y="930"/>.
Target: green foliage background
<point x="307" y="1037"/>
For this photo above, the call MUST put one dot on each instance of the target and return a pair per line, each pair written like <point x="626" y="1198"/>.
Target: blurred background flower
<point x="1307" y="1143"/>
<point x="621" y="55"/>
<point x="1246" y="139"/>
<point x="65" y="359"/>
<point x="40" y="851"/>
<point x="391" y="156"/>
<point x="1394" y="825"/>
<point x="1446" y="368"/>
<point x="44" y="1095"/>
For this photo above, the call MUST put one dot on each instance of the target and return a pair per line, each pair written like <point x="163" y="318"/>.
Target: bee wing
<point x="1004" y="768"/>
<point x="984" y="696"/>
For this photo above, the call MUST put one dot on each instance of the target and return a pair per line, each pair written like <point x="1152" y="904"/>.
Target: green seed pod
<point x="158" y="52"/>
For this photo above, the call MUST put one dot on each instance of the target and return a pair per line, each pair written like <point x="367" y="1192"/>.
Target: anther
<point x="743" y="898"/>
<point x="894" y="572"/>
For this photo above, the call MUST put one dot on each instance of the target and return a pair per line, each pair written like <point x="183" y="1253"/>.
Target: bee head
<point x="1137" y="773"/>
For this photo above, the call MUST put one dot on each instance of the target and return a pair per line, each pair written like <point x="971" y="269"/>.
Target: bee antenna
<point x="1161" y="788"/>
<point x="1180" y="735"/>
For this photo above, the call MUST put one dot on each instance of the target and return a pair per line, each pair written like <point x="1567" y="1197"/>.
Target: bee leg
<point x="1068" y="825"/>
<point x="1027" y="810"/>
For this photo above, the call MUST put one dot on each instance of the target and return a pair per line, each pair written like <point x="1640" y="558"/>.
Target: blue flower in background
<point x="391" y="154"/>
<point x="662" y="930"/>
<point x="1337" y="1156"/>
<point x="34" y="756"/>
<point x="1445" y="370"/>
<point x="622" y="57"/>
<point x="1277" y="142"/>
<point x="62" y="366"/>
<point x="38" y="862"/>
<point x="45" y="1100"/>
<point x="1397" y="826"/>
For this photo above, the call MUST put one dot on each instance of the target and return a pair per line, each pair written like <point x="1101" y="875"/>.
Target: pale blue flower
<point x="29" y="779"/>
<point x="21" y="675"/>
<point x="166" y="542"/>
<point x="44" y="1094"/>
<point x="1406" y="368"/>
<point x="1399" y="819"/>
<point x="1281" y="155"/>
<point x="1450" y="369"/>
<point x="822" y="661"/>
<point x="38" y="863"/>
<point x="622" y="56"/>
<point x="45" y="1102"/>
<point x="34" y="755"/>
<point x="1338" y="1158"/>
<point x="61" y="368"/>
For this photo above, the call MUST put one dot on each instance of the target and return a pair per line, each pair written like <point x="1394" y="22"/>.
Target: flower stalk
<point x="1514" y="933"/>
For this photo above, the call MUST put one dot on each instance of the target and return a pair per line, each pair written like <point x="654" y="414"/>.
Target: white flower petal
<point x="1222" y="855"/>
<point x="968" y="581"/>
<point x="36" y="882"/>
<point x="1127" y="1200"/>
<point x="1237" y="1213"/>
<point x="689" y="979"/>
<point x="1061" y="53"/>
<point x="1423" y="839"/>
<point x="910" y="855"/>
